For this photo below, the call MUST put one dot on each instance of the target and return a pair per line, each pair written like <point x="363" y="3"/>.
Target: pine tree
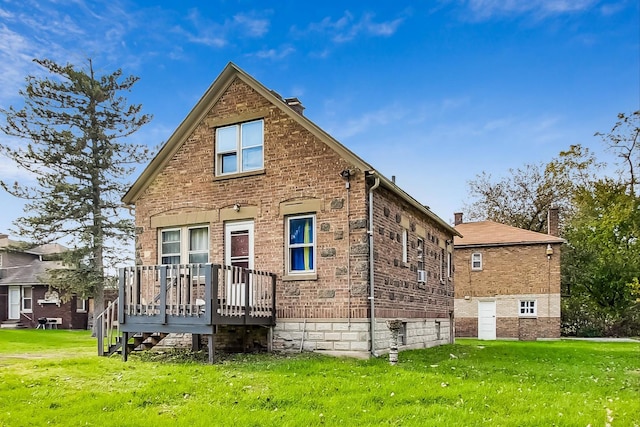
<point x="72" y="137"/>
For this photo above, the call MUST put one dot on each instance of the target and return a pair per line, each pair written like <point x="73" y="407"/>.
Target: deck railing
<point x="203" y="294"/>
<point x="107" y="328"/>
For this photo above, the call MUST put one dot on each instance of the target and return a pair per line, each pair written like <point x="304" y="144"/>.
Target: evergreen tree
<point x="72" y="137"/>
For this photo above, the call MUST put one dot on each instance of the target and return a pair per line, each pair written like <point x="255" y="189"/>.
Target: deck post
<point x="196" y="345"/>
<point x="211" y="347"/>
<point x="163" y="294"/>
<point x="247" y="289"/>
<point x="213" y="298"/>
<point x="122" y="296"/>
<point x="273" y="299"/>
<point x="125" y="340"/>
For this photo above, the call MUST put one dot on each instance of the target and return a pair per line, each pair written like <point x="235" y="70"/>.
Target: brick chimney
<point x="457" y="218"/>
<point x="553" y="220"/>
<point x="295" y="105"/>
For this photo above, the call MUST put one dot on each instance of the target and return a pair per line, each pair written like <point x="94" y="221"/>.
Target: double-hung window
<point x="239" y="147"/>
<point x="301" y="246"/>
<point x="405" y="246"/>
<point x="184" y="245"/>
<point x="476" y="261"/>
<point x="27" y="299"/>
<point x="81" y="304"/>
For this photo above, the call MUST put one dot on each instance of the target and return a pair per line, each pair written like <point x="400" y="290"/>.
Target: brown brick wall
<point x="513" y="270"/>
<point x="508" y="270"/>
<point x="398" y="292"/>
<point x="71" y="319"/>
<point x="513" y="327"/>
<point x="297" y="166"/>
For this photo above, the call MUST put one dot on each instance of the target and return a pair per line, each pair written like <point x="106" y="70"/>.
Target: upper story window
<point x="301" y="245"/>
<point x="184" y="245"/>
<point x="476" y="261"/>
<point x="239" y="147"/>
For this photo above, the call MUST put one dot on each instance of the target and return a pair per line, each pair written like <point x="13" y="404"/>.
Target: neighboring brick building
<point x="24" y="297"/>
<point x="248" y="180"/>
<point x="507" y="281"/>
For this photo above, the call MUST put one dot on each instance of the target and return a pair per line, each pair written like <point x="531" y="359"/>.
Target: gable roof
<point x="489" y="233"/>
<point x="211" y="96"/>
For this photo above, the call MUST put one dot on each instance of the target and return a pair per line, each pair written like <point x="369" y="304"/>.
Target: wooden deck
<point x="191" y="298"/>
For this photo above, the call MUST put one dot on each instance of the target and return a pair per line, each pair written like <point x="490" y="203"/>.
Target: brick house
<point x="507" y="280"/>
<point x="248" y="181"/>
<point x="24" y="295"/>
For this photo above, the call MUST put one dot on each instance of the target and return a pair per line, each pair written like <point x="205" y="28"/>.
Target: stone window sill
<point x="299" y="277"/>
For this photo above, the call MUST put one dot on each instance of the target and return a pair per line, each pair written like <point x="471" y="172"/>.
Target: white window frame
<point x="405" y="244"/>
<point x="81" y="304"/>
<point x="25" y="298"/>
<point x="1" y="260"/>
<point x="239" y="149"/>
<point x="476" y="257"/>
<point x="288" y="246"/>
<point x="185" y="238"/>
<point x="443" y="252"/>
<point x="527" y="308"/>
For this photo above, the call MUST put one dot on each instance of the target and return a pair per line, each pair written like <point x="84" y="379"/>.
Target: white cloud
<point x="253" y="27"/>
<point x="215" y="34"/>
<point x="348" y="27"/>
<point x="274" y="54"/>
<point x="488" y="9"/>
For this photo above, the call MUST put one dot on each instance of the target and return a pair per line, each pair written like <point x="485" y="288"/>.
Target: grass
<point x="55" y="378"/>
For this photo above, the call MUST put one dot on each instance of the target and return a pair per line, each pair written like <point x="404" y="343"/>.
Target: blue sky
<point x="433" y="92"/>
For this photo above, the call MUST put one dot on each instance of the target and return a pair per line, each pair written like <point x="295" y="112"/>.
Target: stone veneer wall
<point x="339" y="337"/>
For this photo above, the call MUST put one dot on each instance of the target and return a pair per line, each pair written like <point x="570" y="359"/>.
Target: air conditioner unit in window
<point x="422" y="276"/>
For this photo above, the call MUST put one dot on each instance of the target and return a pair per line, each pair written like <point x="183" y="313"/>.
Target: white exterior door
<point x="238" y="253"/>
<point x="487" y="320"/>
<point x="14" y="302"/>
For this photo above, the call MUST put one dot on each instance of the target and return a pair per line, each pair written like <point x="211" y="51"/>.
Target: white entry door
<point x="487" y="320"/>
<point x="14" y="302"/>
<point x="238" y="253"/>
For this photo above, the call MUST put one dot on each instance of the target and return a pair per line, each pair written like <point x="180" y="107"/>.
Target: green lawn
<point x="55" y="378"/>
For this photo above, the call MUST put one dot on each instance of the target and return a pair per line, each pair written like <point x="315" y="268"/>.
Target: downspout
<point x="371" y="267"/>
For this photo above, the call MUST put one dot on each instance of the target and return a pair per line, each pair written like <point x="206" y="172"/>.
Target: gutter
<point x="371" y="265"/>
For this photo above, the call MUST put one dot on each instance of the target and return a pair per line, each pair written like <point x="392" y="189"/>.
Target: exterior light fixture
<point x="549" y="251"/>
<point x="236" y="208"/>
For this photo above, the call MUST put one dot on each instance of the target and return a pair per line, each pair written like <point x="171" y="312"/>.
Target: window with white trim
<point x="476" y="261"/>
<point x="528" y="308"/>
<point x="184" y="245"/>
<point x="239" y="148"/>
<point x="81" y="304"/>
<point x="27" y="299"/>
<point x="300" y="243"/>
<point x="405" y="244"/>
